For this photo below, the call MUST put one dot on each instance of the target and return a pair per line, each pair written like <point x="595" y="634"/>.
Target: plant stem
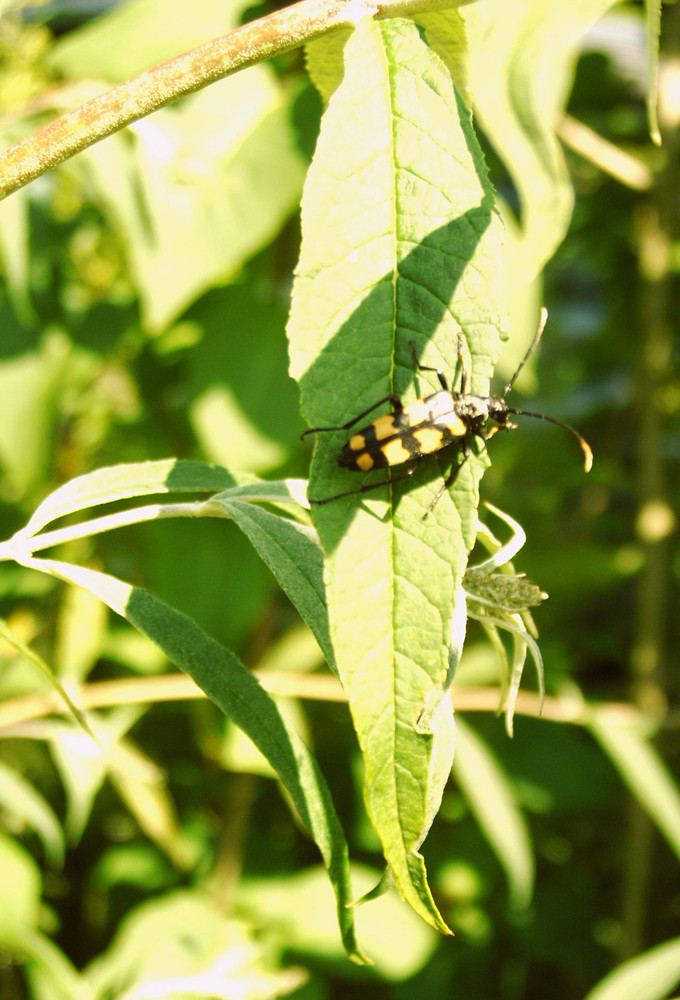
<point x="19" y="712"/>
<point x="20" y="544"/>
<point x="129" y="101"/>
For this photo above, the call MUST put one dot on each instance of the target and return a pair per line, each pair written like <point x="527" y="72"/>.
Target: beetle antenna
<point x="587" y="450"/>
<point x="542" y="320"/>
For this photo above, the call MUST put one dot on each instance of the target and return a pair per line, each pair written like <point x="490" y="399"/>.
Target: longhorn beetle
<point x="412" y="431"/>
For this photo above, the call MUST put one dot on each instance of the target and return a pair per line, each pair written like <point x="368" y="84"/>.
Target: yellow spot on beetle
<point x="384" y="427"/>
<point x="364" y="462"/>
<point x="357" y="442"/>
<point x="454" y="425"/>
<point x="429" y="439"/>
<point x="395" y="453"/>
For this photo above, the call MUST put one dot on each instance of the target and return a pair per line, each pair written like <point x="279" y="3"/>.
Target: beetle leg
<point x="370" y="486"/>
<point x="463" y="372"/>
<point x="450" y="479"/>
<point x="397" y="407"/>
<point x="426" y="368"/>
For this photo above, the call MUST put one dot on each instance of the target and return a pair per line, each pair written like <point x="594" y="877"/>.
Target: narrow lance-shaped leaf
<point x="241" y="697"/>
<point x="490" y="796"/>
<point x="400" y="244"/>
<point x="292" y="552"/>
<point x="123" y="482"/>
<point x="649" y="976"/>
<point x="643" y="770"/>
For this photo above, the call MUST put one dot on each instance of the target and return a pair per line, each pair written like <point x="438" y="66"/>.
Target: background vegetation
<point x="143" y="307"/>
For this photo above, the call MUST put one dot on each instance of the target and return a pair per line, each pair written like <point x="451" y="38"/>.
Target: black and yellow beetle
<point x="412" y="431"/>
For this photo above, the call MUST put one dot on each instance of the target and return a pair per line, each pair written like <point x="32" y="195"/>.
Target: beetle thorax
<point x="474" y="409"/>
<point x="498" y="410"/>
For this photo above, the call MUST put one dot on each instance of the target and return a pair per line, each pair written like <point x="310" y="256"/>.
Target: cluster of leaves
<point x="161" y="333"/>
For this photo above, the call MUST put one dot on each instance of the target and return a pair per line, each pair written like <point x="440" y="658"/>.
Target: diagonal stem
<point x="183" y="74"/>
<point x="127" y="102"/>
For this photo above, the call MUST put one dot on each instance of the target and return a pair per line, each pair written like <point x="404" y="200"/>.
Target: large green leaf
<point x="400" y="243"/>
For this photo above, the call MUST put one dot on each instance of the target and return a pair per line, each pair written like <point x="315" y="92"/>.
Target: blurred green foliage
<point x="143" y="305"/>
